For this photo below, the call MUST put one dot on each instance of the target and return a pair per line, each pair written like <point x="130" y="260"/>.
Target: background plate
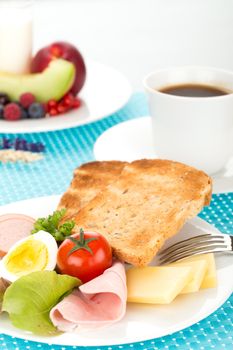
<point x="136" y="143"/>
<point x="105" y="91"/>
<point x="141" y="322"/>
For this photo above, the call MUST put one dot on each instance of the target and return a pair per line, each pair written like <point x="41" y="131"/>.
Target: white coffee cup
<point x="194" y="130"/>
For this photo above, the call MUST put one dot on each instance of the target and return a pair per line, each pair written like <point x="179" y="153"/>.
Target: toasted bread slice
<point x="89" y="179"/>
<point x="150" y="202"/>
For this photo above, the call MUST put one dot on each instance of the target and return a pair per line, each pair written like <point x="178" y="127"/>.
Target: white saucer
<point x="132" y="140"/>
<point x="106" y="90"/>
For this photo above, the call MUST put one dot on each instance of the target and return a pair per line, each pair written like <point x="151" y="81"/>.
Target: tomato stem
<point x="81" y="236"/>
<point x="81" y="243"/>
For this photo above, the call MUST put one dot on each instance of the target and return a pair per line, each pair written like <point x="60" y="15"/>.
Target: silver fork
<point x="201" y="244"/>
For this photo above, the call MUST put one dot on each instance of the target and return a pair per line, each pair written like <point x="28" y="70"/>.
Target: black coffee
<point x="194" y="90"/>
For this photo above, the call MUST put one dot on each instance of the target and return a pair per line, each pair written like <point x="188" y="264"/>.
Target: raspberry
<point x="36" y="110"/>
<point x="27" y="99"/>
<point x="12" y="111"/>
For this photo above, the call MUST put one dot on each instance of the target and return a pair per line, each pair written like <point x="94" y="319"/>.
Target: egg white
<point x="47" y="239"/>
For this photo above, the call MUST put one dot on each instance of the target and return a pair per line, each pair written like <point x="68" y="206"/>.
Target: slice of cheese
<point x="210" y="279"/>
<point x="156" y="284"/>
<point x="199" y="269"/>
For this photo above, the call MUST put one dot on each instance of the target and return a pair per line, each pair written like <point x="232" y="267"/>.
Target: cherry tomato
<point x="85" y="255"/>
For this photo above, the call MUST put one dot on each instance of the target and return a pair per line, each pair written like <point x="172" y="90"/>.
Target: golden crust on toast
<point x="146" y="204"/>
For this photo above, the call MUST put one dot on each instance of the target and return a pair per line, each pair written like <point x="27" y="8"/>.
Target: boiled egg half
<point x="37" y="252"/>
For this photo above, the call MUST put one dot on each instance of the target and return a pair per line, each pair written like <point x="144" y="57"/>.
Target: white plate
<point x="105" y="91"/>
<point x="132" y="140"/>
<point x="142" y="322"/>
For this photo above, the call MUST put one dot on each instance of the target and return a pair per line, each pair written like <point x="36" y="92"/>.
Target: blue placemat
<point x="65" y="150"/>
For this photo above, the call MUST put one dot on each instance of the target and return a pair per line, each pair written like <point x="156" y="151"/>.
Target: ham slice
<point x="3" y="286"/>
<point x="99" y="302"/>
<point x="13" y="227"/>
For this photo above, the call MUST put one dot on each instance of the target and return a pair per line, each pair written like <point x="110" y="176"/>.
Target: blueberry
<point x="1" y="111"/>
<point x="36" y="110"/>
<point x="24" y="113"/>
<point x="4" y="98"/>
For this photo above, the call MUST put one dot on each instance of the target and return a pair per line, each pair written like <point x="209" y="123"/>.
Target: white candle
<point x="15" y="36"/>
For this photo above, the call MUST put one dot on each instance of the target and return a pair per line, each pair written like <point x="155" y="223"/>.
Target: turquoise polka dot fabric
<point x="65" y="150"/>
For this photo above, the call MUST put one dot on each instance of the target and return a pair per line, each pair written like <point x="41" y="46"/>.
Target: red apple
<point x="67" y="52"/>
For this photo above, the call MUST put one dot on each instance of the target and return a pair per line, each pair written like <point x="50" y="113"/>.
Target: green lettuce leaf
<point x="29" y="300"/>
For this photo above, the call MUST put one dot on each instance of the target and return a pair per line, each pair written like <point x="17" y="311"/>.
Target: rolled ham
<point x="100" y="302"/>
<point x="13" y="227"/>
<point x="3" y="286"/>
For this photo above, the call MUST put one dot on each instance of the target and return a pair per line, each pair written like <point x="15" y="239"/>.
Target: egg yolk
<point x="30" y="256"/>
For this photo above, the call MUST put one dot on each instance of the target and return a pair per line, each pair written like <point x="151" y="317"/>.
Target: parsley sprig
<point x="52" y="225"/>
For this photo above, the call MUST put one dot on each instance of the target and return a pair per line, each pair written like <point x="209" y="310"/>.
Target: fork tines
<point x="202" y="244"/>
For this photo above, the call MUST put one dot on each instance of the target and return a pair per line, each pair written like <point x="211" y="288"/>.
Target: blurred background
<point x="138" y="36"/>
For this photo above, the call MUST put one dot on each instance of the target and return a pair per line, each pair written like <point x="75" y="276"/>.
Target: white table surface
<point x="138" y="36"/>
